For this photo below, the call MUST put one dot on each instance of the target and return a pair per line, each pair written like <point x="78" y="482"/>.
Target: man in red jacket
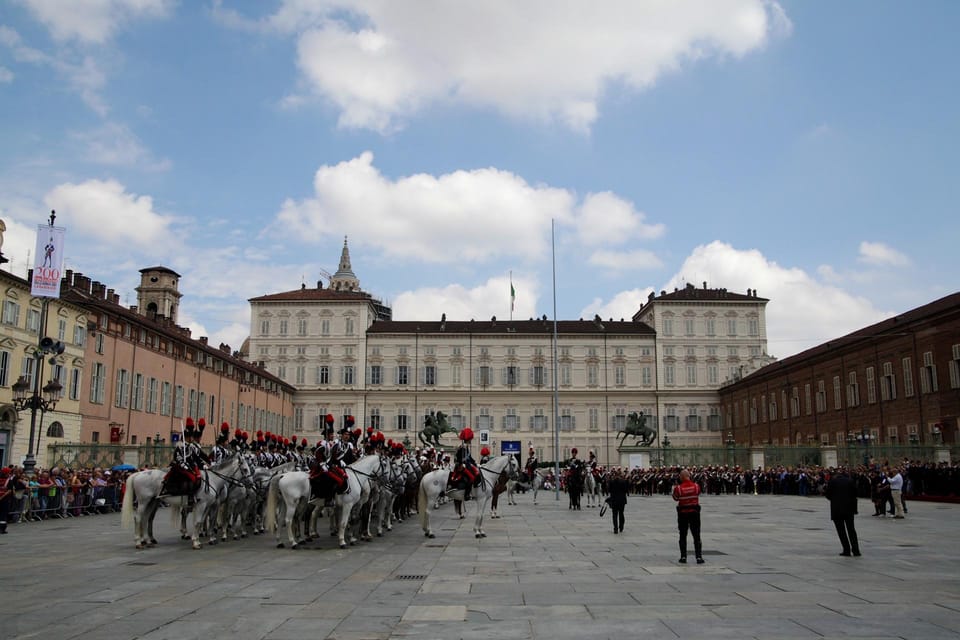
<point x="687" y="495"/>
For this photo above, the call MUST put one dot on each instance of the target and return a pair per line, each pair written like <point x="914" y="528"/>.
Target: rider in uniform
<point x="184" y="475"/>
<point x="484" y="455"/>
<point x="465" y="472"/>
<point x="219" y="451"/>
<point x="530" y="468"/>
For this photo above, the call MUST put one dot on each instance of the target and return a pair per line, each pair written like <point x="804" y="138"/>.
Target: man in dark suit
<point x="617" y="487"/>
<point x="842" y="493"/>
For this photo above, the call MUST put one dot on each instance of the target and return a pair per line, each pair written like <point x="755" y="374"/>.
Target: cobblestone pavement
<point x="772" y="571"/>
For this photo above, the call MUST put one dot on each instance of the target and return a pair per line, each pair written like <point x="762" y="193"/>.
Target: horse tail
<point x="270" y="511"/>
<point x="422" y="504"/>
<point x="126" y="511"/>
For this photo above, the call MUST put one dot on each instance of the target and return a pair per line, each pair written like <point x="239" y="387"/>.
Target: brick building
<point x="894" y="382"/>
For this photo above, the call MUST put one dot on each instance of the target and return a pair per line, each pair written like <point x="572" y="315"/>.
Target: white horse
<point x="143" y="487"/>
<point x="214" y="483"/>
<point x="434" y="484"/>
<point x="287" y="499"/>
<point x="361" y="475"/>
<point x="591" y="487"/>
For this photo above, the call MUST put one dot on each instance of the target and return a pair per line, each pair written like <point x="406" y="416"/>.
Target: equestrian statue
<point x="434" y="426"/>
<point x="637" y="428"/>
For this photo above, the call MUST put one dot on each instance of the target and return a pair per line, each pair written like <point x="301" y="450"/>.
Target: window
<point x="98" y="343"/>
<point x="593" y="419"/>
<point x="807" y="399"/>
<point x="619" y="375"/>
<point x="908" y="373"/>
<point x="401" y="419"/>
<point x="795" y="402"/>
<point x="593" y="375"/>
<point x="646" y="376"/>
<point x="375" y="418"/>
<point x="264" y="327"/>
<point x="821" y="397"/>
<point x="137" y="400"/>
<point x="484" y="377"/>
<point x="347" y="375"/>
<point x="538" y="421"/>
<point x="55" y="430"/>
<point x="668" y="326"/>
<point x="376" y="374"/>
<point x="733" y="352"/>
<point x="688" y="326"/>
<point x="325" y="327"/>
<point x="754" y="326"/>
<point x="403" y="351"/>
<point x="591" y="352"/>
<point x="300" y="374"/>
<point x="430" y="375"/>
<point x="178" y="401"/>
<point x="566" y="374"/>
<point x="837" y="401"/>
<point x="33" y="320"/>
<point x="282" y="371"/>
<point x="928" y="374"/>
<point x="510" y="421"/>
<point x="152" y="388"/>
<point x="853" y="389"/>
<point x="323" y="374"/>
<point x="691" y="374"/>
<point x="888" y="383"/>
<point x="79" y="335"/>
<point x="298" y="418"/>
<point x="403" y="374"/>
<point x="511" y="376"/>
<point x="349" y="326"/>
<point x="512" y="352"/>
<point x="97" y="382"/>
<point x="567" y="421"/>
<point x="11" y="312"/>
<point x="192" y="409"/>
<point x="713" y="374"/>
<point x="456" y="371"/>
<point x="711" y="327"/>
<point x="166" y="399"/>
<point x="773" y="407"/>
<point x="121" y="398"/>
<point x="732" y="327"/>
<point x="301" y="351"/>
<point x="538" y="376"/>
<point x="283" y="327"/>
<point x="302" y="331"/>
<point x="457" y="352"/>
<point x="669" y="374"/>
<point x="4" y="368"/>
<point x="75" y="382"/>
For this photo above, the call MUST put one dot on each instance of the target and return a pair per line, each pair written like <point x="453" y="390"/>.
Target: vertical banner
<point x="48" y="266"/>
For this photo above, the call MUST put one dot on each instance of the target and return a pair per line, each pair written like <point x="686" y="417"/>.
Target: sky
<point x="808" y="150"/>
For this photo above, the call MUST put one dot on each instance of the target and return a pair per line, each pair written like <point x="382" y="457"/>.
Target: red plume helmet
<point x="485" y="451"/>
<point x="467" y="434"/>
<point x="350" y="421"/>
<point x="189" y="422"/>
<point x="303" y="443"/>
<point x="329" y="419"/>
<point x="225" y="428"/>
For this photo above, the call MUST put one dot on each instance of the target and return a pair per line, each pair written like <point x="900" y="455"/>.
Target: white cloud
<point x="102" y="209"/>
<point x="6" y="75"/>
<point x="93" y="21"/>
<point x="802" y="311"/>
<point x="115" y="144"/>
<point x="606" y="218"/>
<point x="621" y="307"/>
<point x="380" y="62"/>
<point x="461" y="217"/>
<point x="640" y="259"/>
<point x="879" y="254"/>
<point x="489" y="299"/>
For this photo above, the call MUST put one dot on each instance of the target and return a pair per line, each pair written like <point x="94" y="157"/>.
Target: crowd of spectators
<point x="67" y="493"/>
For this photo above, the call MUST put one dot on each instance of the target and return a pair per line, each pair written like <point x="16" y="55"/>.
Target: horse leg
<point x="478" y="531"/>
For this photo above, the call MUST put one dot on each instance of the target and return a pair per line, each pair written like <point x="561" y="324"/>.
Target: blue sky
<point x="808" y="150"/>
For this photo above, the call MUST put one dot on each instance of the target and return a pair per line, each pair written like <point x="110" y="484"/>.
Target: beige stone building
<point x="340" y="349"/>
<point x="24" y="322"/>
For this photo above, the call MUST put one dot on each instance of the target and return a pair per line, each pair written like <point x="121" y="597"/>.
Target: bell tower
<point x="158" y="295"/>
<point x="345" y="279"/>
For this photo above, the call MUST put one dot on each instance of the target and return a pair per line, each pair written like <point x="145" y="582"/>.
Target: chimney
<point x="203" y="340"/>
<point x="133" y="308"/>
<point x="704" y="284"/>
<point x="755" y="293"/>
<point x="98" y="289"/>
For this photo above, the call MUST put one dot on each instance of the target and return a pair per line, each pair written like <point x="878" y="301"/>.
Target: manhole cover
<point x="410" y="577"/>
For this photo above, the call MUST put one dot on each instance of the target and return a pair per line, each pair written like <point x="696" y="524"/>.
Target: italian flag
<point x="513" y="296"/>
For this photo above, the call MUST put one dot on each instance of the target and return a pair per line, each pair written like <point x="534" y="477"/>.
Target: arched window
<point x="55" y="430"/>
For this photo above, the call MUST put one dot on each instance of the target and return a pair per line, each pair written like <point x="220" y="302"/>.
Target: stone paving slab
<point x="544" y="571"/>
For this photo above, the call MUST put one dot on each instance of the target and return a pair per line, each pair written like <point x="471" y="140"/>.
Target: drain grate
<point x="141" y="564"/>
<point x="409" y="576"/>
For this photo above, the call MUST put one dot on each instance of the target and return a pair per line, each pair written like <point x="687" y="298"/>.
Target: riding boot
<point x="3" y="527"/>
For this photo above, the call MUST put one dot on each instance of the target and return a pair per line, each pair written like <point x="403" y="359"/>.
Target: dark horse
<point x="575" y="479"/>
<point x="637" y="428"/>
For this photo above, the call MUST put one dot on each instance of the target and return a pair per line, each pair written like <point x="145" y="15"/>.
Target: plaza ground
<point x="543" y="572"/>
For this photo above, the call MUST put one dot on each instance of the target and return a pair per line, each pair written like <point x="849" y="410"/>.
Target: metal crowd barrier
<point x="45" y="503"/>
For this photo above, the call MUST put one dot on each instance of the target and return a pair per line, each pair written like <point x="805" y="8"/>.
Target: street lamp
<point x="22" y="399"/>
<point x="864" y="438"/>
<point x="731" y="443"/>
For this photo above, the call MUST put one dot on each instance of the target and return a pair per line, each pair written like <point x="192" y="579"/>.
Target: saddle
<point x="181" y="482"/>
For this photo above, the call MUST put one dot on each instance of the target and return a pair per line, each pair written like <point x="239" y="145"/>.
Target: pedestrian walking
<point x="842" y="494"/>
<point x="617" y="488"/>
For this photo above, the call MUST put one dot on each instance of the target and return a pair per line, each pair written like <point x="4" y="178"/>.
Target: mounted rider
<point x="530" y="468"/>
<point x="575" y="466"/>
<point x="184" y="475"/>
<point x="219" y="451"/>
<point x="465" y="473"/>
<point x="484" y="455"/>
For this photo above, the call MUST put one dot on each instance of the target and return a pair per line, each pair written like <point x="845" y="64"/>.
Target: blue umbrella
<point x="124" y="467"/>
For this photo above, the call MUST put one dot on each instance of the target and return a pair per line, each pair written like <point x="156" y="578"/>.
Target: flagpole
<point x="556" y="388"/>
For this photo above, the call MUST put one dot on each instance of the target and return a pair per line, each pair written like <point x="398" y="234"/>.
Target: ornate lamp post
<point x="731" y="443"/>
<point x="23" y="399"/>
